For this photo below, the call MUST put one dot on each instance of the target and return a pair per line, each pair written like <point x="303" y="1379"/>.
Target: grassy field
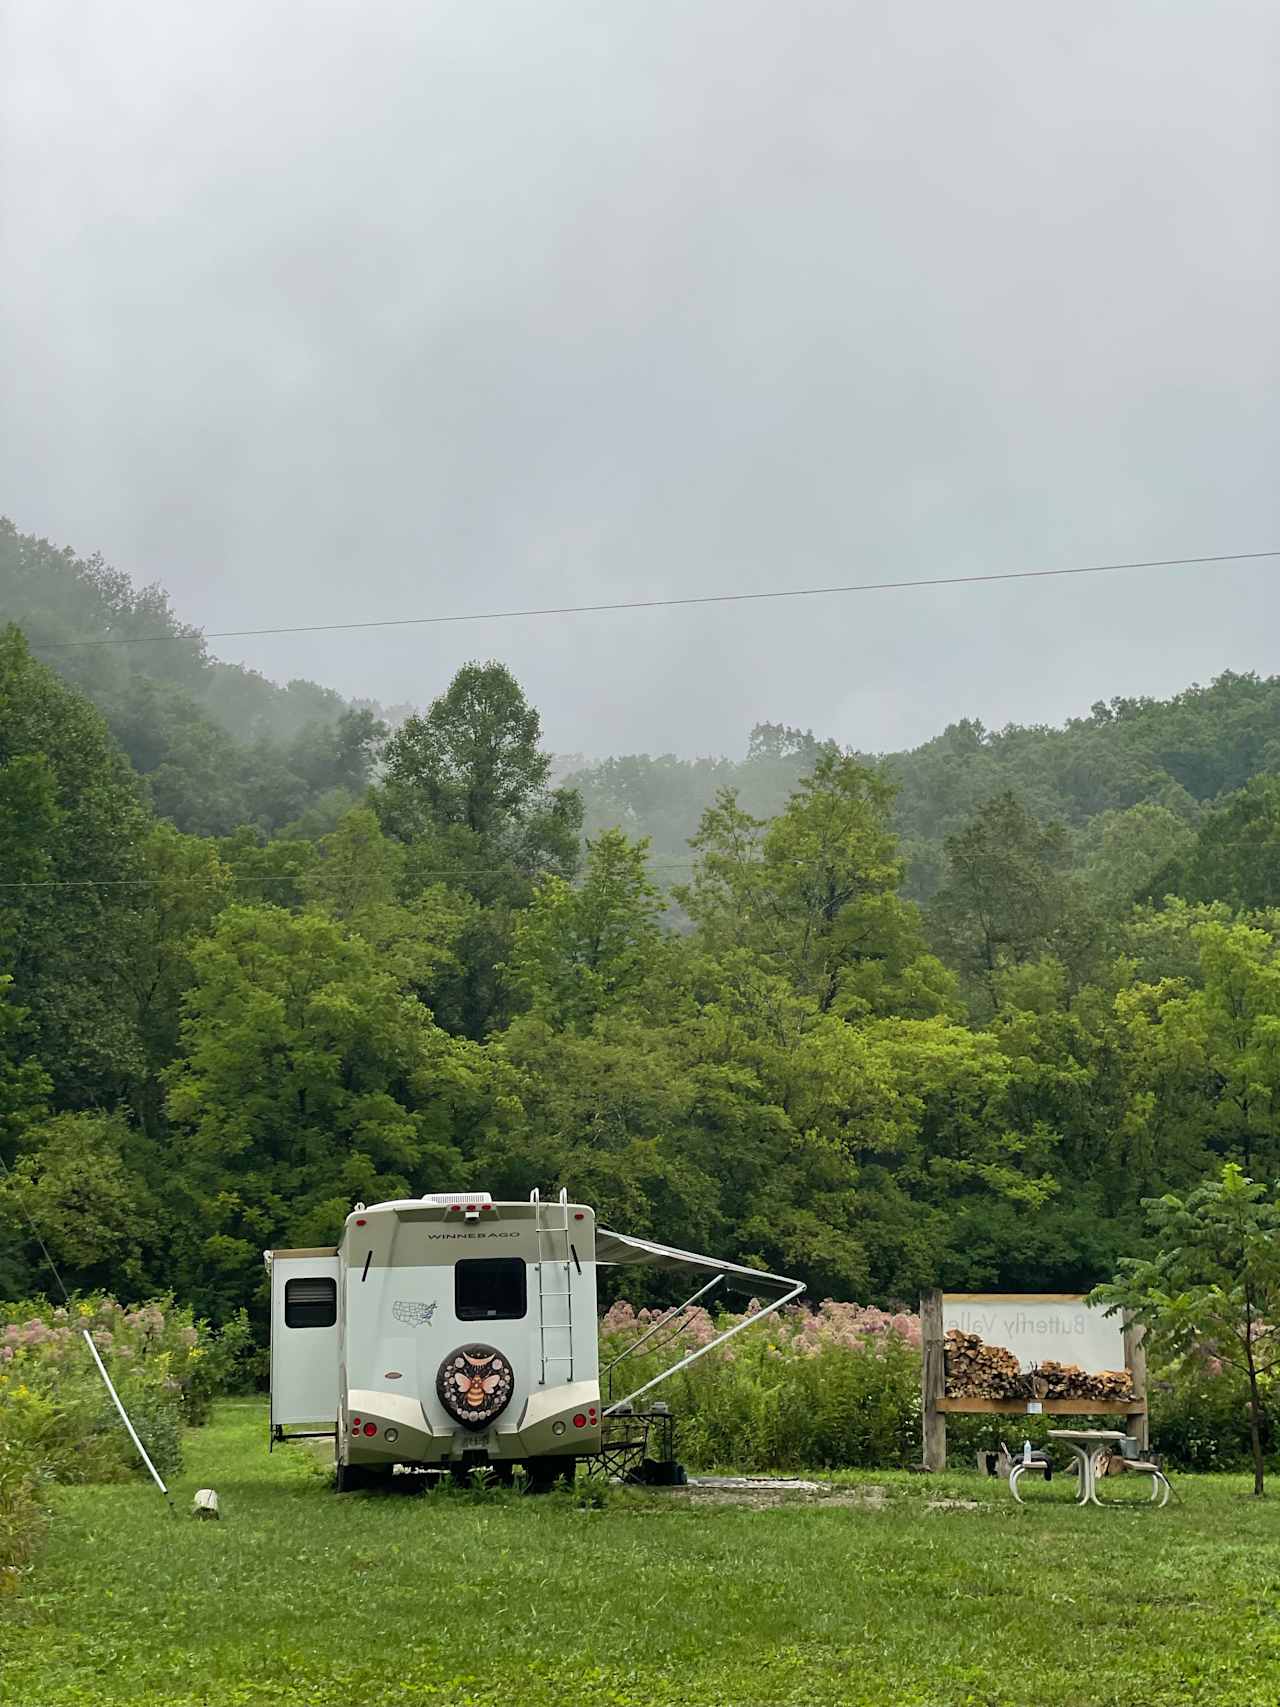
<point x="301" y="1597"/>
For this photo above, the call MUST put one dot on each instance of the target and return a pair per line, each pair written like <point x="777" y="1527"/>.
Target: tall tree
<point x="814" y="892"/>
<point x="359" y="877"/>
<point x="1120" y="852"/>
<point x="79" y="1178"/>
<point x="1236" y="854"/>
<point x="466" y="789"/>
<point x="1213" y="1286"/>
<point x="1008" y="897"/>
<point x="1206" y="1060"/>
<point x="586" y="949"/>
<point x="71" y="820"/>
<point x="24" y="1085"/>
<point x="308" y="1077"/>
<point x="182" y="887"/>
<point x="472" y="762"/>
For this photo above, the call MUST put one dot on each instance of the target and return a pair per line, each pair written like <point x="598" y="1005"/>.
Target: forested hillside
<point x="219" y="746"/>
<point x="1130" y="781"/>
<point x="221" y="1024"/>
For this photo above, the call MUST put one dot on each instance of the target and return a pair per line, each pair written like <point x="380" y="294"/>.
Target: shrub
<point x="1200" y="1415"/>
<point x="57" y="1421"/>
<point x="22" y="1511"/>
<point x="839" y="1388"/>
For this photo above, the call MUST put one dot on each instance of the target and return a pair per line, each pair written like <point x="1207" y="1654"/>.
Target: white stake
<point x="124" y="1415"/>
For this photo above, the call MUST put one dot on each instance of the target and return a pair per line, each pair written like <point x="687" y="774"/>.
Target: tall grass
<point x="57" y="1422"/>
<point x="838" y="1387"/>
<point x="832" y="1388"/>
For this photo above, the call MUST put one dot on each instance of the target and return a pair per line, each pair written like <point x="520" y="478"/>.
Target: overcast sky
<point x="346" y="310"/>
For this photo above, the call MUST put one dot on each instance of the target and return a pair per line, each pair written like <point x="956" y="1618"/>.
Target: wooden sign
<point x="1039" y="1326"/>
<point x="1018" y="1330"/>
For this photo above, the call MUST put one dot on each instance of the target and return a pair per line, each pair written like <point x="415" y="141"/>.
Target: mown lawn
<point x="298" y="1596"/>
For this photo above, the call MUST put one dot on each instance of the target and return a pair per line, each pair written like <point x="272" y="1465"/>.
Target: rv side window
<point x="488" y="1289"/>
<point x="310" y="1303"/>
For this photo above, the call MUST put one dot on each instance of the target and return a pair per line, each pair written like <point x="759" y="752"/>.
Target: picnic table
<point x="1089" y="1446"/>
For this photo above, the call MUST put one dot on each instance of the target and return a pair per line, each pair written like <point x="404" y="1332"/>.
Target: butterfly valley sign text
<point x="1039" y="1327"/>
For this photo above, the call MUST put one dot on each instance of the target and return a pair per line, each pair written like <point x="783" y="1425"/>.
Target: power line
<point x="458" y="874"/>
<point x="443" y="875"/>
<point x="35" y="1232"/>
<point x="655" y="604"/>
<point x="11" y="1179"/>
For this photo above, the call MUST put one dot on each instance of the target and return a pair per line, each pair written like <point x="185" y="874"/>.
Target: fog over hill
<point x="424" y="310"/>
<point x="220" y="746"/>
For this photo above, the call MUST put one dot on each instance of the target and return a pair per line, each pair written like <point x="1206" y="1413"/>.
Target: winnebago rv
<point x="453" y="1332"/>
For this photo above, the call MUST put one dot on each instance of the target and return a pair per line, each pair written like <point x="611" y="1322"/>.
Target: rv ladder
<point x="558" y="1262"/>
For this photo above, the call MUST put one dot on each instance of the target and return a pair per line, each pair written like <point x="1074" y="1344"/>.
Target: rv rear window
<point x="489" y="1289"/>
<point x="310" y="1303"/>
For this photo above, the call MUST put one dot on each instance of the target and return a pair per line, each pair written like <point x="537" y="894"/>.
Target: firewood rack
<point x="937" y="1405"/>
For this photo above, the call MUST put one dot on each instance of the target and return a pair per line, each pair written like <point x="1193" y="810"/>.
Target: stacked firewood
<point x="1069" y="1381"/>
<point x="976" y="1370"/>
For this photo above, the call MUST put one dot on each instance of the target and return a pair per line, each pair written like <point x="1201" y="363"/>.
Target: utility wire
<point x="444" y="875"/>
<point x="35" y="1231"/>
<point x="457" y="874"/>
<point x="88" y="1340"/>
<point x="654" y="604"/>
<point x="441" y="876"/>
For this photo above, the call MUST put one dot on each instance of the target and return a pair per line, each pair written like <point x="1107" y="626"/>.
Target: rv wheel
<point x="544" y="1473"/>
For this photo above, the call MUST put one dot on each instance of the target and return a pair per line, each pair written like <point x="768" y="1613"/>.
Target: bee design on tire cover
<point x="475" y="1384"/>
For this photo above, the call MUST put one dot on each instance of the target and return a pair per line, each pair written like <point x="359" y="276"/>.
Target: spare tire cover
<point x="474" y="1384"/>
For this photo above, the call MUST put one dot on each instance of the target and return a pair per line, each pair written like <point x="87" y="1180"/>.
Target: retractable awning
<point x="623" y="1251"/>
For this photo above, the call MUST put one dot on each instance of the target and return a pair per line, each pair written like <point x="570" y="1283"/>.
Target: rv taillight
<point x="371" y="1428"/>
<point x="579" y="1421"/>
<point x="360" y="1221"/>
<point x="355" y="1425"/>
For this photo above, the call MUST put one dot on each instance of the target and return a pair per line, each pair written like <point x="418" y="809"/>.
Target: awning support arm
<point x="746" y="1322"/>
<point x="662" y="1322"/>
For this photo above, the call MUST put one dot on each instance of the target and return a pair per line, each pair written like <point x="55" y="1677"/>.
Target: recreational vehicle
<point x="452" y="1332"/>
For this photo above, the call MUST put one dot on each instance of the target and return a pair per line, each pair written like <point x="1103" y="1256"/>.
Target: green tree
<point x="308" y="1077"/>
<point x="78" y="1180"/>
<point x="24" y="1085"/>
<point x="1205" y="1061"/>
<point x="182" y="887"/>
<point x="1236" y="854"/>
<point x="1121" y="851"/>
<point x="1213" y="1286"/>
<point x="594" y="947"/>
<point x="359" y="869"/>
<point x="273" y="873"/>
<point x="331" y="755"/>
<point x="610" y="1115"/>
<point x="920" y="1108"/>
<point x="1008" y="897"/>
<point x="71" y="821"/>
<point x="472" y="762"/>
<point x="466" y="789"/>
<point x="360" y="878"/>
<point x="814" y="894"/>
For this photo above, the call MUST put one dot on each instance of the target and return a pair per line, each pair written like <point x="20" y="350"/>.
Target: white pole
<point x="661" y="1323"/>
<point x="747" y="1322"/>
<point x="124" y="1415"/>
